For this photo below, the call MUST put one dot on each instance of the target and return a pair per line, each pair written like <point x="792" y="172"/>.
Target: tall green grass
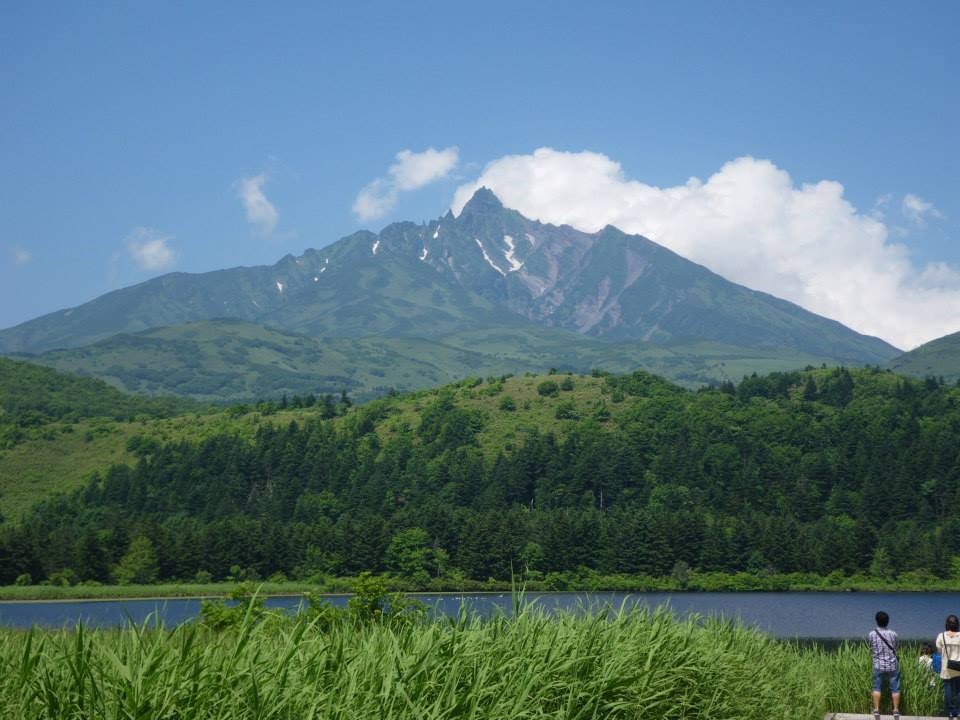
<point x="628" y="664"/>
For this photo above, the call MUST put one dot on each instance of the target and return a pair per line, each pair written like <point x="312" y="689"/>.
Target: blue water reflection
<point x="784" y="615"/>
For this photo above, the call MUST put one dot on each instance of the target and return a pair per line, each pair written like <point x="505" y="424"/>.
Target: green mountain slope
<point x="232" y="360"/>
<point x="339" y="291"/>
<point x="937" y="358"/>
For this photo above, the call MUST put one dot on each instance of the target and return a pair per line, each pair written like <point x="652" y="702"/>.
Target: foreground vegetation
<point x="368" y="662"/>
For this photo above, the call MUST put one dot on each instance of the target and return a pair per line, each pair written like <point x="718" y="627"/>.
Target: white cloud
<point x="750" y="223"/>
<point x="149" y="249"/>
<point x="21" y="256"/>
<point x="917" y="209"/>
<point x="411" y="171"/>
<point x="375" y="200"/>
<point x="260" y="213"/>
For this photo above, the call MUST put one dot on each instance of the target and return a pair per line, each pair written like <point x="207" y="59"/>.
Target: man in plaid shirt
<point x="886" y="664"/>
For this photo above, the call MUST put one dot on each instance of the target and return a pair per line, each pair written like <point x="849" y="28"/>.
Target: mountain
<point x="937" y="358"/>
<point x="487" y="267"/>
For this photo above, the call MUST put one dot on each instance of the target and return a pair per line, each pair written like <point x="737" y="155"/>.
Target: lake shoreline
<point x="343" y="587"/>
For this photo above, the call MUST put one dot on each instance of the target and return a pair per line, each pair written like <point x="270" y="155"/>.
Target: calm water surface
<point x="914" y="616"/>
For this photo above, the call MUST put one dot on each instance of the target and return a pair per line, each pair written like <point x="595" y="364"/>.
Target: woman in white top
<point x="948" y="643"/>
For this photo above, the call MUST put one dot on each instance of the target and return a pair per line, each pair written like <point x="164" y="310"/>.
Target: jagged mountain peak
<point x="483" y="201"/>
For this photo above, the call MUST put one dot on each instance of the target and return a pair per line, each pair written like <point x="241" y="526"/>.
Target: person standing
<point x="948" y="643"/>
<point x="886" y="664"/>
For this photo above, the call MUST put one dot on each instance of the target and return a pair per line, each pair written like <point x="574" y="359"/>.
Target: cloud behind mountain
<point x="753" y="224"/>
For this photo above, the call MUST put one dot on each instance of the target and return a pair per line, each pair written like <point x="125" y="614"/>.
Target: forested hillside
<point x="32" y="395"/>
<point x="824" y="471"/>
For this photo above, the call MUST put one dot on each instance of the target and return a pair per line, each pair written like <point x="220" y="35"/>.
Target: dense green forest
<point x="822" y="471"/>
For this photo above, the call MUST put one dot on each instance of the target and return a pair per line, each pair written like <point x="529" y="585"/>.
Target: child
<point x="930" y="660"/>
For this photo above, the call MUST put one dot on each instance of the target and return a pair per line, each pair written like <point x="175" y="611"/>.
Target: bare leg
<point x="876" y="699"/>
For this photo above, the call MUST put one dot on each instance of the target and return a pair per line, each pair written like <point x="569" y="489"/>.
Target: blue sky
<point x="142" y="138"/>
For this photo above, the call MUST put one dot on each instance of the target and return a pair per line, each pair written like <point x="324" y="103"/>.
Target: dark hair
<point x="882" y="619"/>
<point x="952" y="624"/>
<point x="927" y="649"/>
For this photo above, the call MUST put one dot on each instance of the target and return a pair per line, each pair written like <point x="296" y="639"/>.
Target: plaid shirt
<point x="884" y="657"/>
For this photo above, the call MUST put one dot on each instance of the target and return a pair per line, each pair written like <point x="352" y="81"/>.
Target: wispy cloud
<point x="150" y="248"/>
<point x="411" y="171"/>
<point x="21" y="256"/>
<point x="260" y="212"/>
<point x="918" y="210"/>
<point x="752" y="224"/>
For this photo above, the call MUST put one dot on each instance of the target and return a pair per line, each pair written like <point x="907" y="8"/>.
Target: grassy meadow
<point x="635" y="664"/>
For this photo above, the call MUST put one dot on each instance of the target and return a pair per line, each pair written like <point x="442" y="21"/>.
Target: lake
<point x="915" y="616"/>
